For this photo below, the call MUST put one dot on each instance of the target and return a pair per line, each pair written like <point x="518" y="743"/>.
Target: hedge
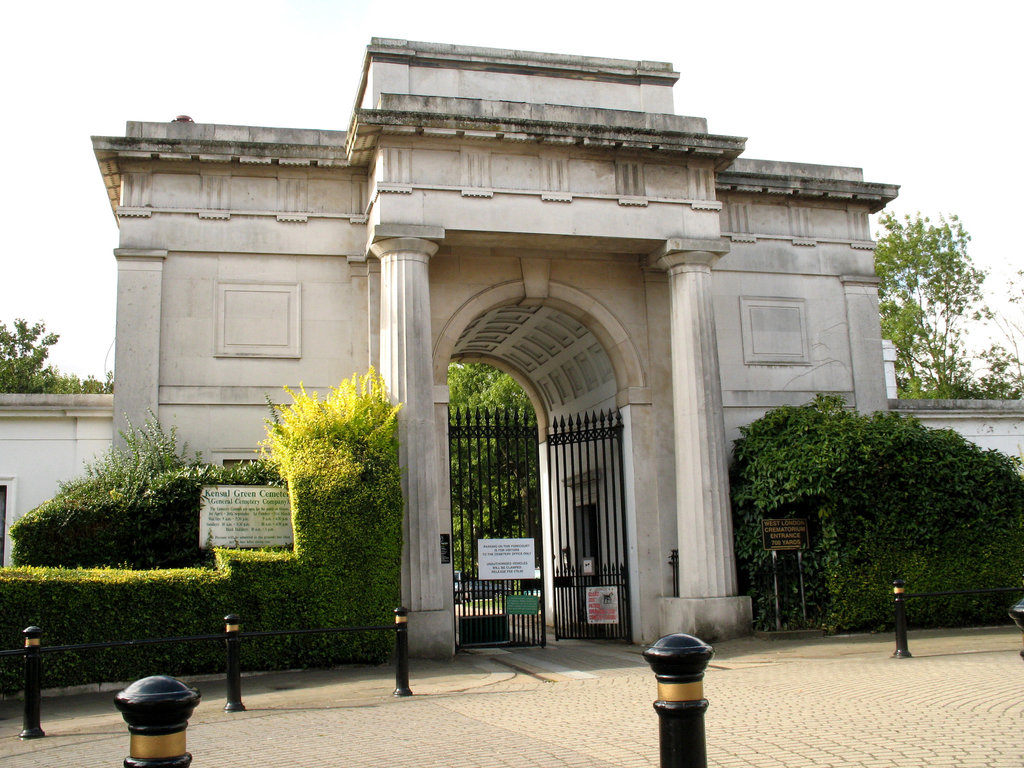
<point x="340" y="458"/>
<point x="885" y="498"/>
<point x="136" y="507"/>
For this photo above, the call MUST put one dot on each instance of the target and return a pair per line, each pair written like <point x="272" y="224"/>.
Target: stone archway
<point x="557" y="349"/>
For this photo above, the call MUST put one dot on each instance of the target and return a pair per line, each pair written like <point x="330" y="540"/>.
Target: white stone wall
<point x="45" y="439"/>
<point x="992" y="424"/>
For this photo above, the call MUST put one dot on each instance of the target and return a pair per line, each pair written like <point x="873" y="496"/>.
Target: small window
<point x="236" y="462"/>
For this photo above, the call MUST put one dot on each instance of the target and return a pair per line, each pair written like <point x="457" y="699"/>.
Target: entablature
<point x="217" y="144"/>
<point x="762" y="177"/>
<point x="600" y="129"/>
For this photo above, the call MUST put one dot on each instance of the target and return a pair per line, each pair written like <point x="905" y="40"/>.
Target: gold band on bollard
<point x="31" y="642"/>
<point x="897" y="590"/>
<point x="401" y="619"/>
<point x="155" y="747"/>
<point x="231" y="628"/>
<point x="680" y="691"/>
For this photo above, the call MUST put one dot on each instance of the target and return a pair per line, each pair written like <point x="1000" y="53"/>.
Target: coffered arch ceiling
<point x="563" y="360"/>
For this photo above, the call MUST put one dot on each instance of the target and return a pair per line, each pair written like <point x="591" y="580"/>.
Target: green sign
<point x="522" y="605"/>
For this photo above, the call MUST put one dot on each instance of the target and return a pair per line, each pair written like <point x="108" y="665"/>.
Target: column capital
<point x="417" y="245"/>
<point x="140" y="254"/>
<point x="687" y="251"/>
<point x="864" y="281"/>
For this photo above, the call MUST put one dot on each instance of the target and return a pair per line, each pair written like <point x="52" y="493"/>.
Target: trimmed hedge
<point x="135" y="507"/>
<point x="885" y="498"/>
<point x="340" y="458"/>
<point x="268" y="590"/>
<point x="99" y="605"/>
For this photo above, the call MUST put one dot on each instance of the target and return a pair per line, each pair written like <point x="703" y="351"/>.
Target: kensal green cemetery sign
<point x="244" y="516"/>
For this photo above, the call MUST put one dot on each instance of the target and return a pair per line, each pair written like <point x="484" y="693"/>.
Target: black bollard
<point x="900" y="608"/>
<point x="33" y="683"/>
<point x="157" y="710"/>
<point x="402" y="652"/>
<point x="234" y="648"/>
<point x="679" y="662"/>
<point x="1017" y="614"/>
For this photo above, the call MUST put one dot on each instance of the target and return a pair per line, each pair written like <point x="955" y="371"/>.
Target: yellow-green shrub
<point x="339" y="457"/>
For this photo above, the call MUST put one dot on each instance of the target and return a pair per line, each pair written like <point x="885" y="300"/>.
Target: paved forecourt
<point x="774" y="703"/>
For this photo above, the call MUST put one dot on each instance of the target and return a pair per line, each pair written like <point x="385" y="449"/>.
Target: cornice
<point x="368" y="125"/>
<point x="875" y="195"/>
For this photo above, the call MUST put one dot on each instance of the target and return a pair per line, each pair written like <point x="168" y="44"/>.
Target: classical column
<point x="137" y="337"/>
<point x="705" y="540"/>
<point x="405" y="365"/>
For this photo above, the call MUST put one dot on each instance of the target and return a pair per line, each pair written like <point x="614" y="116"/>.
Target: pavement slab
<point x="790" y="703"/>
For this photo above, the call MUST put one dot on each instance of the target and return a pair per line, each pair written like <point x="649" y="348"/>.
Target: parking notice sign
<point x="506" y="559"/>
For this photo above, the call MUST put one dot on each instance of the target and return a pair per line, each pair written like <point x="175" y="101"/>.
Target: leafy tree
<point x="929" y="291"/>
<point x="23" y="352"/>
<point x="23" y="368"/>
<point x="1004" y="361"/>
<point x="478" y="385"/>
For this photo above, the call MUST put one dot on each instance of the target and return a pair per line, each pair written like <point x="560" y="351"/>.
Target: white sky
<point x="922" y="94"/>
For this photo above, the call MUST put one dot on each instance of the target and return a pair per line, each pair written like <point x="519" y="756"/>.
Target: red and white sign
<point x="602" y="605"/>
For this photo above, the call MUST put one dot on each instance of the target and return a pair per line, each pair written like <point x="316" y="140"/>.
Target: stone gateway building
<point x="549" y="215"/>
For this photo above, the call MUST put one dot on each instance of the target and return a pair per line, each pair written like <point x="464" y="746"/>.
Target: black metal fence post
<point x="1017" y="614"/>
<point x="33" y="683"/>
<point x="234" y="672"/>
<point x="679" y="662"/>
<point x="900" y="607"/>
<point x="402" y="653"/>
<point x="157" y="710"/>
<point x="673" y="560"/>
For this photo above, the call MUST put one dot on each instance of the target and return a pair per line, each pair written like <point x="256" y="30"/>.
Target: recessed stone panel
<point x="258" y="320"/>
<point x="774" y="331"/>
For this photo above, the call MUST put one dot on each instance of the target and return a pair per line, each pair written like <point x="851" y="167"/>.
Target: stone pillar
<point x="865" y="334"/>
<point x="137" y="345"/>
<point x="406" y="366"/>
<point x="707" y="565"/>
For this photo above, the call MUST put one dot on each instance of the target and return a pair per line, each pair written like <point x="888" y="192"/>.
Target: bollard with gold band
<point x="900" y="609"/>
<point x="157" y="710"/>
<point x="33" y="683"/>
<point x="232" y="625"/>
<point x="679" y="662"/>
<point x="1017" y="614"/>
<point x="402" y="652"/>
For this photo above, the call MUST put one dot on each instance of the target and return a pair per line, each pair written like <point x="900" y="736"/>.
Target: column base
<point x="431" y="634"/>
<point x="709" y="618"/>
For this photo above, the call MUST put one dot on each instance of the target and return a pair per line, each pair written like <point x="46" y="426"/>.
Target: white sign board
<point x="506" y="559"/>
<point x="244" y="516"/>
<point x="602" y="605"/>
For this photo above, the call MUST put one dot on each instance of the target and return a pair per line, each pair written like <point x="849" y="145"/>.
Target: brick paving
<point x="817" y="702"/>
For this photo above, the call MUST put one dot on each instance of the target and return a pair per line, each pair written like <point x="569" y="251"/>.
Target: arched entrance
<point x="560" y="505"/>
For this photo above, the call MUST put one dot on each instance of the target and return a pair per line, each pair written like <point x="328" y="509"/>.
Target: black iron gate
<point x="495" y="494"/>
<point x="591" y="576"/>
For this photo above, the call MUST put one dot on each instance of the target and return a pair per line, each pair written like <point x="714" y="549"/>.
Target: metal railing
<point x="232" y="636"/>
<point x="900" y="596"/>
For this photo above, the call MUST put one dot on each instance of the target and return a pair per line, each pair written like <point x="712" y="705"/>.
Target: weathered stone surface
<point x="549" y="214"/>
